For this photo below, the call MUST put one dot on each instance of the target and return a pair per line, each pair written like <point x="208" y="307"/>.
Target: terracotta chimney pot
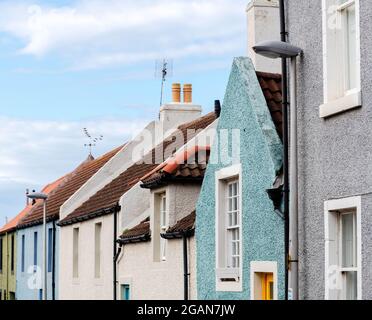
<point x="187" y="93"/>
<point x="176" y="92"/>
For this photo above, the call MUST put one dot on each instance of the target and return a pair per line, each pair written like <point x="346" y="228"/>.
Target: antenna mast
<point x="92" y="140"/>
<point x="163" y="69"/>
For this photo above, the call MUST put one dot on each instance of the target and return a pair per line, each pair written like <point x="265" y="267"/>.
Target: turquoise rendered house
<point x="240" y="237"/>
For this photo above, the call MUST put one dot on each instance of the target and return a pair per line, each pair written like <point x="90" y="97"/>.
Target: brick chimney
<point x="263" y="25"/>
<point x="176" y="113"/>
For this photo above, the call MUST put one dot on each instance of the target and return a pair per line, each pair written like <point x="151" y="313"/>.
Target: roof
<point x="187" y="165"/>
<point x="63" y="192"/>
<point x="106" y="199"/>
<point x="12" y="224"/>
<point x="140" y="233"/>
<point x="185" y="226"/>
<point x="271" y="85"/>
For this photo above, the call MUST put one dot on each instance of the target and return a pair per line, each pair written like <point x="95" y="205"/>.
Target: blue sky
<point x="69" y="64"/>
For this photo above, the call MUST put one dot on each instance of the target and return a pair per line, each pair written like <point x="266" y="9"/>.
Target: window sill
<point x="348" y="102"/>
<point x="229" y="286"/>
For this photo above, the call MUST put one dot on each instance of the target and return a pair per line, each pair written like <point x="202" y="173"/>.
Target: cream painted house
<point x="158" y="246"/>
<point x="91" y="217"/>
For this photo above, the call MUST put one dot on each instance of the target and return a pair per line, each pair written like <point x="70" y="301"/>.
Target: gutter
<point x="142" y="238"/>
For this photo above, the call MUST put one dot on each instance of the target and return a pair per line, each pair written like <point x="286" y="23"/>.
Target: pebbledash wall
<point x="334" y="153"/>
<point x="244" y="108"/>
<point x="29" y="283"/>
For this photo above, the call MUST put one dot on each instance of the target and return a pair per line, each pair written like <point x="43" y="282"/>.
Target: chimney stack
<point x="187" y="93"/>
<point x="263" y="25"/>
<point x="217" y="108"/>
<point x="179" y="111"/>
<point x="176" y="92"/>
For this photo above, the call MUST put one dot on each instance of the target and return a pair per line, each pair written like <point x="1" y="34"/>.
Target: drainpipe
<point x="185" y="267"/>
<point x="54" y="263"/>
<point x="116" y="255"/>
<point x="283" y="36"/>
<point x="293" y="247"/>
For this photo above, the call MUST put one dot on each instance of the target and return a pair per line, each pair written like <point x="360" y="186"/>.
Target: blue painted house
<point x="240" y="237"/>
<point x="30" y="234"/>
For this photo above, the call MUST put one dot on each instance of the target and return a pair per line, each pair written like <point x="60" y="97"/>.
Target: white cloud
<point x="100" y="33"/>
<point x="36" y="152"/>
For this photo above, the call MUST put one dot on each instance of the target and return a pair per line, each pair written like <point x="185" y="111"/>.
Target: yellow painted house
<point x="8" y="254"/>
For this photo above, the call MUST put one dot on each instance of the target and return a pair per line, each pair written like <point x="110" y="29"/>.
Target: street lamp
<point x="44" y="197"/>
<point x="284" y="50"/>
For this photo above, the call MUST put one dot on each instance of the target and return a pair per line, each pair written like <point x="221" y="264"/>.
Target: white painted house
<point x="158" y="256"/>
<point x="89" y="217"/>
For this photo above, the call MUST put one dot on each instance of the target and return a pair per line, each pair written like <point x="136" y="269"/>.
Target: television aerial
<point x="92" y="140"/>
<point x="163" y="70"/>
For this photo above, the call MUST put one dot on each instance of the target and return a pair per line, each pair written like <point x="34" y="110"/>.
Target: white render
<point x="157" y="280"/>
<point x="148" y="278"/>
<point x="136" y="265"/>
<point x="263" y="25"/>
<point x="86" y="286"/>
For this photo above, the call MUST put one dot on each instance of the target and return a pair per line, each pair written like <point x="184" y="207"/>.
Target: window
<point x="23" y="254"/>
<point x="50" y="249"/>
<point x="97" y="250"/>
<point x="341" y="46"/>
<point x="159" y="226"/>
<point x="264" y="280"/>
<point x="228" y="229"/>
<point x="125" y="292"/>
<point x="75" y="253"/>
<point x="343" y="249"/>
<point x="35" y="251"/>
<point x="12" y="257"/>
<point x="163" y="225"/>
<point x="1" y="255"/>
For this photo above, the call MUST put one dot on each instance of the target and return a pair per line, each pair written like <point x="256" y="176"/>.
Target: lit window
<point x="341" y="47"/>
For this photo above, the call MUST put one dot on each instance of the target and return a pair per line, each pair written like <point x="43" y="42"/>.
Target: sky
<point x="66" y="65"/>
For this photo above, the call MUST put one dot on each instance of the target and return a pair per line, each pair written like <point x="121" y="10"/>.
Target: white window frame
<point x="222" y="179"/>
<point x="257" y="268"/>
<point x="336" y="97"/>
<point x="158" y="243"/>
<point x="163" y="211"/>
<point x="333" y="274"/>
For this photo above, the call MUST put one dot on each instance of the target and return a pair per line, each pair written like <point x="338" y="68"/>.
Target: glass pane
<point x="351" y="286"/>
<point x="230" y="190"/>
<point x="231" y="207"/>
<point x="235" y="204"/>
<point x="235" y="188"/>
<point x="351" y="81"/>
<point x="348" y="241"/>
<point x="230" y="219"/>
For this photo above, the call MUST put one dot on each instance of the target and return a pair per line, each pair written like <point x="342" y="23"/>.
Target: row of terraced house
<point x="192" y="208"/>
